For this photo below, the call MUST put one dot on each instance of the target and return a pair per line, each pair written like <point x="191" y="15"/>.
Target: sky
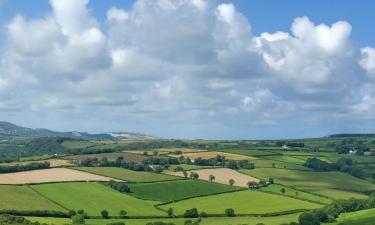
<point x="189" y="68"/>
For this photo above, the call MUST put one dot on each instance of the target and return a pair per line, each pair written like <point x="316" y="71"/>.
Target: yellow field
<point x="213" y="154"/>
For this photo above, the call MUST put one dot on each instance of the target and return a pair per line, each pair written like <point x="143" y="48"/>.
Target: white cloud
<point x="181" y="60"/>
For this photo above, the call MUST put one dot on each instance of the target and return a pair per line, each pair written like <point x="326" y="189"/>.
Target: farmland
<point x="49" y="175"/>
<point x="363" y="217"/>
<point x="127" y="175"/>
<point x="222" y="175"/>
<point x="15" y="197"/>
<point x="94" y="197"/>
<point x="213" y="154"/>
<point x="261" y="203"/>
<point x="175" y="190"/>
<point x="316" y="182"/>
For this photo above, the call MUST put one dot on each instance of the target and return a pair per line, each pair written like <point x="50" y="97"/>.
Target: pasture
<point x="127" y="175"/>
<point x="362" y="217"/>
<point x="275" y="188"/>
<point x="316" y="182"/>
<point x="48" y="176"/>
<point x="175" y="190"/>
<point x="243" y="202"/>
<point x="129" y="157"/>
<point x="222" y="176"/>
<point x="95" y="197"/>
<point x="20" y="198"/>
<point x="213" y="154"/>
<point x="275" y="220"/>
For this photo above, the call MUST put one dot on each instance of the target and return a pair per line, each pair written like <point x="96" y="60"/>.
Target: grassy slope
<point x="318" y="182"/>
<point x="277" y="220"/>
<point x="94" y="197"/>
<point x="20" y="197"/>
<point x="127" y="175"/>
<point x="175" y="190"/>
<point x="275" y="188"/>
<point x="363" y="217"/>
<point x="243" y="202"/>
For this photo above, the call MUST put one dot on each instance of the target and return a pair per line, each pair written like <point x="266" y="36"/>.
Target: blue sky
<point x="189" y="68"/>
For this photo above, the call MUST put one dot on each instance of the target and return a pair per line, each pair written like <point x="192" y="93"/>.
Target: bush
<point x="191" y="213"/>
<point x="229" y="212"/>
<point x="104" y="214"/>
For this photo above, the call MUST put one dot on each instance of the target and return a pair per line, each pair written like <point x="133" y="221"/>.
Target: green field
<point x="243" y="202"/>
<point x="275" y="188"/>
<point x="363" y="217"/>
<point x="20" y="197"/>
<point x="317" y="182"/>
<point x="267" y="163"/>
<point x="189" y="167"/>
<point x="94" y="197"/>
<point x="128" y="175"/>
<point x="175" y="190"/>
<point x="276" y="220"/>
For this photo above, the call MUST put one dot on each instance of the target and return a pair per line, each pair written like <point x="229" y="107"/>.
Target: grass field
<point x="243" y="202"/>
<point x="363" y="217"/>
<point x="277" y="220"/>
<point x="175" y="190"/>
<point x="21" y="197"/>
<point x="317" y="182"/>
<point x="130" y="157"/>
<point x="94" y="197"/>
<point x="275" y="188"/>
<point x="213" y="154"/>
<point x="267" y="163"/>
<point x="189" y="167"/>
<point x="127" y="175"/>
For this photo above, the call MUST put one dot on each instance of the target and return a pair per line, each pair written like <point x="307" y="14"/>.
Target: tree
<point x="297" y="193"/>
<point x="185" y="174"/>
<point x="308" y="218"/>
<point x="194" y="176"/>
<point x="170" y="212"/>
<point x="104" y="214"/>
<point x="282" y="190"/>
<point x="273" y="165"/>
<point x="158" y="169"/>
<point x="262" y="183"/>
<point x="271" y="180"/>
<point x="231" y="182"/>
<point x="191" y="213"/>
<point x="123" y="213"/>
<point x="229" y="212"/>
<point x="78" y="219"/>
<point x="252" y="184"/>
<point x="211" y="178"/>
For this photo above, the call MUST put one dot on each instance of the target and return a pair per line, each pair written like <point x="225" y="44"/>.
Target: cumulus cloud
<point x="190" y="60"/>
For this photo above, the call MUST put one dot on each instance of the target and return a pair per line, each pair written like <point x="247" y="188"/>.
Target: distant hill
<point x="352" y="135"/>
<point x="9" y="129"/>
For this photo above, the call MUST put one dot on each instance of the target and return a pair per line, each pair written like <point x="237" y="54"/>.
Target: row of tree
<point x="24" y="167"/>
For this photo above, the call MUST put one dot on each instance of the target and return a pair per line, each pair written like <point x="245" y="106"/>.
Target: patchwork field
<point x="276" y="220"/>
<point x="127" y="175"/>
<point x="95" y="197"/>
<point x="275" y="188"/>
<point x="21" y="197"/>
<point x="317" y="182"/>
<point x="130" y="157"/>
<point x="243" y="202"/>
<point x="222" y="175"/>
<point x="49" y="175"/>
<point x="175" y="190"/>
<point x="213" y="154"/>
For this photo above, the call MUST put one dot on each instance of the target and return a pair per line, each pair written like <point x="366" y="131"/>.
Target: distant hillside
<point x="9" y="129"/>
<point x="352" y="135"/>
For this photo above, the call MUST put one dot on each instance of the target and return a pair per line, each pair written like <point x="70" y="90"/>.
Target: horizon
<point x="214" y="70"/>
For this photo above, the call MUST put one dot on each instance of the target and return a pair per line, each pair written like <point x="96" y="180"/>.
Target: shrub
<point x="229" y="212"/>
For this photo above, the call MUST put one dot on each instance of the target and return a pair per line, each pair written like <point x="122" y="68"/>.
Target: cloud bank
<point x="181" y="64"/>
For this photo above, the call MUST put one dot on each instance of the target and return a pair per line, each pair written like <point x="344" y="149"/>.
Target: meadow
<point x="127" y="175"/>
<point x="243" y="202"/>
<point x="362" y="217"/>
<point x="94" y="197"/>
<point x="20" y="198"/>
<point x="316" y="182"/>
<point x="175" y="190"/>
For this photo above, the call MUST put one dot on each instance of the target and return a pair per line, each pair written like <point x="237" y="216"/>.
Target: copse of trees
<point x="344" y="165"/>
<point x="24" y="167"/>
<point x="119" y="186"/>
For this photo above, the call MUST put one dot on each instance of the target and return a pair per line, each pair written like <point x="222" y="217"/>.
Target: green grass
<point x="266" y="163"/>
<point x="94" y="197"/>
<point x="286" y="159"/>
<point x="317" y="182"/>
<point x="175" y="190"/>
<point x="243" y="202"/>
<point x="189" y="167"/>
<point x="128" y="175"/>
<point x="276" y="220"/>
<point x="275" y="188"/>
<point x="363" y="217"/>
<point x="24" y="198"/>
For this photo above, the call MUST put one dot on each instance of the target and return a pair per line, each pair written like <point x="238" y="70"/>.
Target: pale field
<point x="213" y="154"/>
<point x="49" y="175"/>
<point x="53" y="163"/>
<point x="222" y="176"/>
<point x="166" y="151"/>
